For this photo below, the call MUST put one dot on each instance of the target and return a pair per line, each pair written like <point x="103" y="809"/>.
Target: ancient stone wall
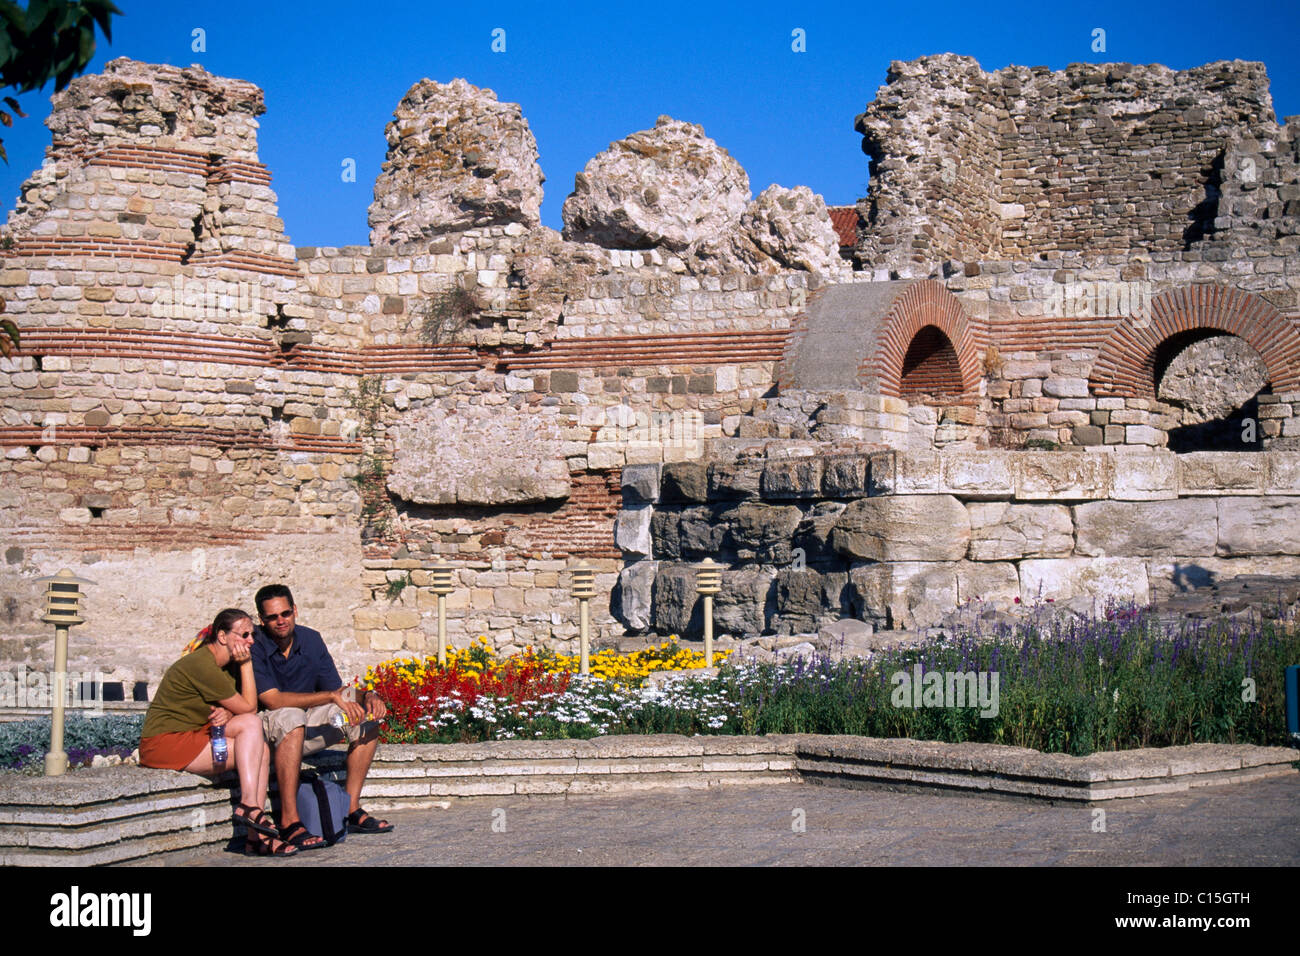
<point x="199" y="407"/>
<point x="809" y="535"/>
<point x="1095" y="158"/>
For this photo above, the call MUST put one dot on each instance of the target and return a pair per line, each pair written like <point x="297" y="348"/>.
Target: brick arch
<point x="921" y="304"/>
<point x="1126" y="366"/>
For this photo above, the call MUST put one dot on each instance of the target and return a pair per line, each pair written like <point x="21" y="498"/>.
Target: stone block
<point x="604" y="456"/>
<point x="1001" y="531"/>
<point x="673" y="599"/>
<point x="1187" y="526"/>
<point x="916" y="472"/>
<point x="1263" y="525"/>
<point x="977" y="474"/>
<point x="1221" y="473"/>
<point x="903" y="528"/>
<point x="631" y="599"/>
<point x="564" y="381"/>
<point x="1145" y="435"/>
<point x="632" y="530"/>
<point x="911" y="594"/>
<point x="368" y="618"/>
<point x="1065" y="387"/>
<point x="792" y="478"/>
<point x="845" y="476"/>
<point x="1062" y="474"/>
<point x="1144" y="477"/>
<point x="685" y="481"/>
<point x="1088" y="435"/>
<point x="757" y="530"/>
<point x="734" y="479"/>
<point x="746" y="601"/>
<point x="1113" y="579"/>
<point x="641" y="484"/>
<point x="1283" y="473"/>
<point x="401" y="618"/>
<point x="478" y="455"/>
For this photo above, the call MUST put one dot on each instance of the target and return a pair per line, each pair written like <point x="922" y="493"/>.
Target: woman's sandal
<point x="262" y="847"/>
<point x="255" y="819"/>
<point x="371" y="825"/>
<point x="297" y="835"/>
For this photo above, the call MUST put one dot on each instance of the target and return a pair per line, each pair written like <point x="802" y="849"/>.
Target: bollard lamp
<point x="63" y="610"/>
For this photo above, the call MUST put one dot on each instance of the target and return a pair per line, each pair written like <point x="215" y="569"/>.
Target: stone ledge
<point x="113" y="814"/>
<point x="1071" y="475"/>
<point x="1022" y="772"/>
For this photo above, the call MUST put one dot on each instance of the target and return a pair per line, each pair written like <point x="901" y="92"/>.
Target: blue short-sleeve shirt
<point x="308" y="669"/>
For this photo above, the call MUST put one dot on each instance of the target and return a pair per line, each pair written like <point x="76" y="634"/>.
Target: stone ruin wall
<point x="197" y="399"/>
<point x="1023" y="163"/>
<point x="808" y="536"/>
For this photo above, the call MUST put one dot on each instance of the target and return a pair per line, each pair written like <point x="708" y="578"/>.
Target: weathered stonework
<point x="1019" y="392"/>
<point x="457" y="159"/>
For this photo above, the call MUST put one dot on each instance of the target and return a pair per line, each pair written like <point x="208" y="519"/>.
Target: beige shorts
<point x="319" y="733"/>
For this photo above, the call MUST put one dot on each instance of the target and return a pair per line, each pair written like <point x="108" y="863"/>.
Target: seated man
<point x="300" y="688"/>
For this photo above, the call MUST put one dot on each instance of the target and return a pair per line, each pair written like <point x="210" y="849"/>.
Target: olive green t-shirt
<point x="186" y="694"/>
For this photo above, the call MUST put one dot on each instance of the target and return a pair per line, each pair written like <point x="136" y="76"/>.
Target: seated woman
<point x="198" y="692"/>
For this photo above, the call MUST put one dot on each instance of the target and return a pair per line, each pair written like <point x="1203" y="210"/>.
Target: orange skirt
<point x="174" y="751"/>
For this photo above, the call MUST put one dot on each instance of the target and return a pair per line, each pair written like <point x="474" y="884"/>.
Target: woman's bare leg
<point x="246" y="755"/>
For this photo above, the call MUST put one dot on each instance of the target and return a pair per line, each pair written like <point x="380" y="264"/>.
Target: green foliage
<point x="1078" y="688"/>
<point x="371" y="478"/>
<point x="479" y="654"/>
<point x="1064" y="686"/>
<point x="1042" y="444"/>
<point x="51" y="39"/>
<point x="395" y="588"/>
<point x="23" y="742"/>
<point x="368" y="401"/>
<point x="446" y="314"/>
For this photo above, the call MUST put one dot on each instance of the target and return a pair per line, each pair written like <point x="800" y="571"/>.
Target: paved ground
<point x="1247" y="824"/>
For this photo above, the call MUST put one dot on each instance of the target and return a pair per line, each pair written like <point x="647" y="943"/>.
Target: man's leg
<point x="360" y="755"/>
<point x="286" y="730"/>
<point x="288" y="761"/>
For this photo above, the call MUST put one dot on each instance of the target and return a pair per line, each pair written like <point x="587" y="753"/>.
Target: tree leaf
<point x="103" y="11"/>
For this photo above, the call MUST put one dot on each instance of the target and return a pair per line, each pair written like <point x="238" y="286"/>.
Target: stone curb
<point x="111" y="814"/>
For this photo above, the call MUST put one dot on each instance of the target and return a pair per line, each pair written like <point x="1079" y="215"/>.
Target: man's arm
<point x="274" y="699"/>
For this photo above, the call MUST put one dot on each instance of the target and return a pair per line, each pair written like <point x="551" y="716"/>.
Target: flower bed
<point x="1065" y="686"/>
<point x="476" y="696"/>
<point x="24" y="743"/>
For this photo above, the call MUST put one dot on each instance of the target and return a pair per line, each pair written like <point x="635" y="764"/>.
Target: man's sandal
<point x="263" y="847"/>
<point x="297" y="835"/>
<point x="255" y="820"/>
<point x="361" y="822"/>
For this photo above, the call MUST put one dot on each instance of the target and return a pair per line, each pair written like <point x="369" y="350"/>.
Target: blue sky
<point x="588" y="74"/>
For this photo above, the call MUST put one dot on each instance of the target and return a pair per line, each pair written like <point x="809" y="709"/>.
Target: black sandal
<point x="254" y="819"/>
<point x="371" y="825"/>
<point x="297" y="835"/>
<point x="263" y="847"/>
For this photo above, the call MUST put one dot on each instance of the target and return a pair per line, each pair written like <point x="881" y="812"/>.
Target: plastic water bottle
<point x="339" y="720"/>
<point x="219" y="749"/>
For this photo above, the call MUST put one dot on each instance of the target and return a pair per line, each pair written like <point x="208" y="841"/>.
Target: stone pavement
<point x="1251" y="824"/>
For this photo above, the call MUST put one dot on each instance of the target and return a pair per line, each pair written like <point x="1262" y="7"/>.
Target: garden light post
<point x="708" y="582"/>
<point x="584" y="590"/>
<point x="441" y="577"/>
<point x="63" y="610"/>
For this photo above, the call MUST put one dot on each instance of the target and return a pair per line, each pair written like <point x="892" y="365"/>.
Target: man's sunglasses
<point x="276" y="617"/>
